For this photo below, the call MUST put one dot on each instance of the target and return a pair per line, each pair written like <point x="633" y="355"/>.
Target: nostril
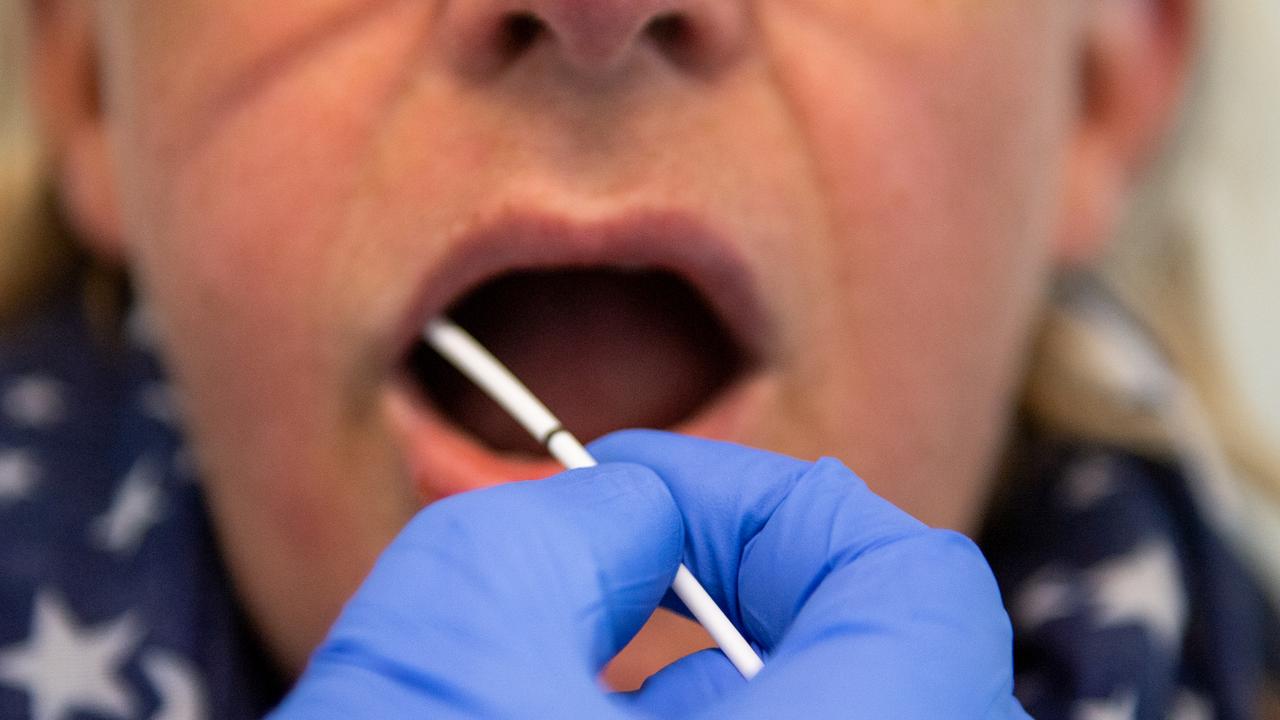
<point x="596" y="38"/>
<point x="518" y="33"/>
<point x="674" y="35"/>
<point x="669" y="30"/>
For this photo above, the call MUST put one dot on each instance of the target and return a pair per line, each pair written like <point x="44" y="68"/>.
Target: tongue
<point x="604" y="349"/>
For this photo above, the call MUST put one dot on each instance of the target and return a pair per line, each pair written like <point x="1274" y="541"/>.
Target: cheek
<point x="939" y="153"/>
<point x="946" y="133"/>
<point x="235" y="212"/>
<point x="235" y="228"/>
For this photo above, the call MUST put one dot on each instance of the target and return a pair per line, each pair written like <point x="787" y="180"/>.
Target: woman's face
<point x="854" y="206"/>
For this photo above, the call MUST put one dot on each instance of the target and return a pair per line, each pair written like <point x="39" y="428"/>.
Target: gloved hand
<point x="506" y="602"/>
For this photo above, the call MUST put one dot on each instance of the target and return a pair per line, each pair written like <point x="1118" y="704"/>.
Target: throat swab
<point x="473" y="360"/>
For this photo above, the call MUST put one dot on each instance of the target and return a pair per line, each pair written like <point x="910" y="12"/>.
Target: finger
<point x="912" y="628"/>
<point x="832" y="579"/>
<point x="725" y="493"/>
<point x="507" y="601"/>
<point x="694" y="681"/>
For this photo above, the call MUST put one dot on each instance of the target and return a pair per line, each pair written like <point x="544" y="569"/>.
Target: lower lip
<point x="444" y="460"/>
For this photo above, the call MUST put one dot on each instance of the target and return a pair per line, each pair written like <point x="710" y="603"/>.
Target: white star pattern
<point x="137" y="507"/>
<point x="64" y="667"/>
<point x="1088" y="483"/>
<point x="140" y="326"/>
<point x="36" y="401"/>
<point x="1047" y="595"/>
<point x="1141" y="588"/>
<point x="19" y="473"/>
<point x="1120" y="706"/>
<point x="1190" y="706"/>
<point x="158" y="402"/>
<point x="182" y="694"/>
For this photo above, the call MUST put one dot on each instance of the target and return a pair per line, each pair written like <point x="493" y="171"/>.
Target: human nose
<point x="594" y="38"/>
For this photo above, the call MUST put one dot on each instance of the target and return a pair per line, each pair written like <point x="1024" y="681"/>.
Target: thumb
<point x="503" y="602"/>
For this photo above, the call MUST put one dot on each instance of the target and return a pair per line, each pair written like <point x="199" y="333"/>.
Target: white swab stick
<point x="471" y="359"/>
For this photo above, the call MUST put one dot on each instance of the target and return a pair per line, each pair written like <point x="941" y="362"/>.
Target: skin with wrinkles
<point x="900" y="179"/>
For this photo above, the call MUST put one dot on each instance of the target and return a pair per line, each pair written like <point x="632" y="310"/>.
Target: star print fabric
<point x="114" y="603"/>
<point x="1124" y="603"/>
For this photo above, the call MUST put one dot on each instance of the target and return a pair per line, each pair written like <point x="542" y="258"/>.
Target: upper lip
<point x="673" y="241"/>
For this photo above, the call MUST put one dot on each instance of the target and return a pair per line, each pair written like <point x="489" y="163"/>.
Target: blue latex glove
<point x="505" y="603"/>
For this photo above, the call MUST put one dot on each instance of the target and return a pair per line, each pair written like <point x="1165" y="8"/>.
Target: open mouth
<point x="604" y="347"/>
<point x="646" y="319"/>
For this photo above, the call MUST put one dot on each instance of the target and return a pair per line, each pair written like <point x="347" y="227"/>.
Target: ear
<point x="65" y="91"/>
<point x="1134" y="61"/>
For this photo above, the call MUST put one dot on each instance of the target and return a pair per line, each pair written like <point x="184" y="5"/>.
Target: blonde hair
<point x="1197" y="263"/>
<point x="1196" y="268"/>
<point x="33" y="250"/>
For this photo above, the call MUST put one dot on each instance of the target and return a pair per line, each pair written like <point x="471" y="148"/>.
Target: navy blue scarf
<point x="114" y="602"/>
<point x="1125" y="603"/>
